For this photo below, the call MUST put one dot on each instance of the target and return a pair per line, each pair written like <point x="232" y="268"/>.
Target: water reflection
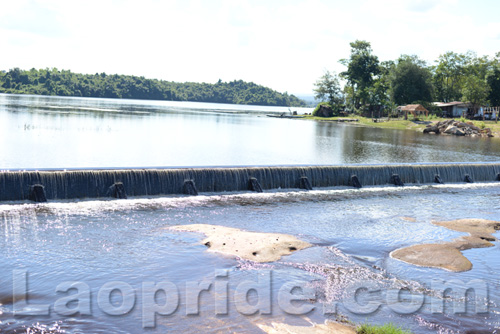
<point x="53" y="132"/>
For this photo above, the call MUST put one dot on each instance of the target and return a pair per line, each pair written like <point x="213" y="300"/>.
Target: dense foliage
<point x="331" y="111"/>
<point x="66" y="83"/>
<point x="327" y="88"/>
<point x="373" y="86"/>
<point x="362" y="70"/>
<point x="410" y="81"/>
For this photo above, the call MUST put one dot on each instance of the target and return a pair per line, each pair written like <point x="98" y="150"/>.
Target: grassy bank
<point x="384" y="329"/>
<point x="409" y="124"/>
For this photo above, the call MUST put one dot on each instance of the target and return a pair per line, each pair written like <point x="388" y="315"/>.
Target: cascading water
<point x="72" y="184"/>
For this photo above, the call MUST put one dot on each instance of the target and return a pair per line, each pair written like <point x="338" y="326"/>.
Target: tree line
<point x="372" y="85"/>
<point x="66" y="83"/>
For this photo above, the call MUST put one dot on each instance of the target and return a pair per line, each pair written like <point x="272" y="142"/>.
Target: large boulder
<point x="450" y="129"/>
<point x="453" y="130"/>
<point x="433" y="128"/>
<point x="453" y="127"/>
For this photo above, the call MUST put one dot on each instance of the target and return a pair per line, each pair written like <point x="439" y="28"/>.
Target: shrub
<point x="384" y="329"/>
<point x="318" y="107"/>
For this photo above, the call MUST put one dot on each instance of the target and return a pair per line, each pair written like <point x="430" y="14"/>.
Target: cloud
<point x="421" y="5"/>
<point x="29" y="16"/>
<point x="284" y="44"/>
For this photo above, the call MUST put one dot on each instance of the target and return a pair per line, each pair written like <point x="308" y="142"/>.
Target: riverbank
<point x="402" y="124"/>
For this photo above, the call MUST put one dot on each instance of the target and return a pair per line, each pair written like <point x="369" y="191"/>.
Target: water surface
<point x="54" y="132"/>
<point x="353" y="231"/>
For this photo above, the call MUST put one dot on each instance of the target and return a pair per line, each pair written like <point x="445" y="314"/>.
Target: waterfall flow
<point x="72" y="184"/>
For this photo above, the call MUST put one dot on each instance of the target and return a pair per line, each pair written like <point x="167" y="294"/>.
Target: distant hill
<point x="66" y="83"/>
<point x="308" y="99"/>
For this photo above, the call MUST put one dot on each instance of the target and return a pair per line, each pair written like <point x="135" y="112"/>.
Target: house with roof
<point x="414" y="109"/>
<point x="454" y="109"/>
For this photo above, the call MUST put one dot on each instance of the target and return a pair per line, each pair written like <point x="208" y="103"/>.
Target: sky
<point x="282" y="44"/>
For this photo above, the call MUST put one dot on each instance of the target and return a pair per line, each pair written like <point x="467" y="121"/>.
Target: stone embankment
<point x="453" y="127"/>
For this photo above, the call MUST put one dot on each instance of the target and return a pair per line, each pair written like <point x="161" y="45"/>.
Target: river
<point x="125" y="245"/>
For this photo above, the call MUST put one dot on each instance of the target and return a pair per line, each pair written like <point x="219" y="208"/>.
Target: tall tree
<point x="475" y="90"/>
<point x="449" y="75"/>
<point x="493" y="80"/>
<point x="362" y="68"/>
<point x="327" y="88"/>
<point x="475" y="87"/>
<point x="411" y="81"/>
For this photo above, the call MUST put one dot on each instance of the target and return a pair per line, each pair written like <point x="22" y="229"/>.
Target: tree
<point x="475" y="87"/>
<point x="449" y="75"/>
<point x="411" y="81"/>
<point x="55" y="82"/>
<point x="328" y="89"/>
<point x="493" y="80"/>
<point x="475" y="90"/>
<point x="362" y="67"/>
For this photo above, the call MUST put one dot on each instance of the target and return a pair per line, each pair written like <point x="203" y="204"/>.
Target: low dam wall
<point x="44" y="185"/>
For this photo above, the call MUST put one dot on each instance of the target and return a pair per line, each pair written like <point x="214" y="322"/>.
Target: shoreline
<point x="396" y="124"/>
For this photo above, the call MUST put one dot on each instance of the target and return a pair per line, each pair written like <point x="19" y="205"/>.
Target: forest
<point x="368" y="84"/>
<point x="66" y="83"/>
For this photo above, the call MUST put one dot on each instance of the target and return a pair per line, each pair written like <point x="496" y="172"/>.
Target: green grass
<point x="383" y="329"/>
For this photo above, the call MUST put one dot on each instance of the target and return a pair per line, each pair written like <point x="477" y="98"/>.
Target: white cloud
<point x="284" y="44"/>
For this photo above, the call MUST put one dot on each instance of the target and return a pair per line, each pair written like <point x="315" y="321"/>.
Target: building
<point x="414" y="109"/>
<point x="454" y="109"/>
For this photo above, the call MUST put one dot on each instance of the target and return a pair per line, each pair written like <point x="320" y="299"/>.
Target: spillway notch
<point x="117" y="190"/>
<point x="396" y="180"/>
<point x="305" y="184"/>
<point x="37" y="193"/>
<point x="354" y="181"/>
<point x="437" y="179"/>
<point x="190" y="188"/>
<point x="254" y="185"/>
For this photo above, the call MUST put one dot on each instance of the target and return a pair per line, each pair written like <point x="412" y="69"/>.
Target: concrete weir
<point x="72" y="184"/>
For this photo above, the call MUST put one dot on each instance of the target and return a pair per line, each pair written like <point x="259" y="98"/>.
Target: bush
<point x="321" y="111"/>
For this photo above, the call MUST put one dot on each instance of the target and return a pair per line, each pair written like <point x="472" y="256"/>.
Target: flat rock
<point x="254" y="246"/>
<point x="448" y="255"/>
<point x="442" y="256"/>
<point x="329" y="327"/>
<point x="472" y="226"/>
